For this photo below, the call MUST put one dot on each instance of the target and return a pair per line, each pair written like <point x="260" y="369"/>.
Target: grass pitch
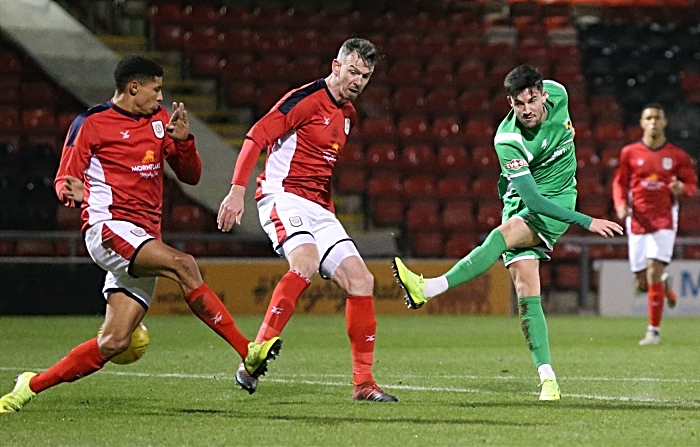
<point x="460" y="381"/>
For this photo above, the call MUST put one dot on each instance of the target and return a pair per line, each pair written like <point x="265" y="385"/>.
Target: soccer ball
<point x="137" y="348"/>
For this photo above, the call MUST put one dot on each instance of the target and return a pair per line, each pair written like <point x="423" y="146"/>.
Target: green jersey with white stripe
<point x="545" y="151"/>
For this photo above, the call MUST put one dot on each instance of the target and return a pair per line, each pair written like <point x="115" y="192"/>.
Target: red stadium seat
<point x="586" y="156"/>
<point x="409" y="98"/>
<point x="39" y="121"/>
<point x="269" y="95"/>
<point x="434" y="44"/>
<point x="439" y="72"/>
<point x="474" y="99"/>
<point x="378" y="127"/>
<point x="589" y="184"/>
<point x="458" y="245"/>
<point x="387" y="211"/>
<point x="188" y="219"/>
<point x="453" y="187"/>
<point x="484" y="157"/>
<point x="350" y="180"/>
<point x="423" y="215"/>
<point x="352" y="155"/>
<point x="634" y="133"/>
<point x="383" y="156"/>
<point x="207" y="64"/>
<point x="405" y="71"/>
<point x="169" y="36"/>
<point x="205" y="38"/>
<point x="384" y="184"/>
<point x="609" y="132"/>
<point x="489" y="215"/>
<point x="453" y="157"/>
<point x="38" y="94"/>
<point x="458" y="215"/>
<point x="303" y="43"/>
<point x="306" y="69"/>
<point x="10" y="63"/>
<point x="447" y="128"/>
<point x="402" y="43"/>
<point x="413" y="128"/>
<point x="441" y="100"/>
<point x="9" y="121"/>
<point x="419" y="186"/>
<point x="238" y="67"/>
<point x="567" y="276"/>
<point x="419" y="157"/>
<point x="270" y="69"/>
<point x="610" y="158"/>
<point x="270" y="41"/>
<point x="595" y="206"/>
<point x="427" y="244"/>
<point x="241" y="93"/>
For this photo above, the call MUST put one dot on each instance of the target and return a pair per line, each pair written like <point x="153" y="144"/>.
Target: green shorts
<point x="549" y="230"/>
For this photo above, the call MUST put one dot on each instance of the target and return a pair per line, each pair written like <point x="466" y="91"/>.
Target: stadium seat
<point x="38" y="94"/>
<point x="484" y="157"/>
<point x="595" y="206"/>
<point x="453" y="158"/>
<point x="418" y="157"/>
<point x="419" y="186"/>
<point x="439" y="72"/>
<point x="413" y="128"/>
<point x="270" y="42"/>
<point x="459" y="244"/>
<point x="567" y="276"/>
<point x="427" y="244"/>
<point x="237" y="67"/>
<point x="350" y="180"/>
<point x="453" y="187"/>
<point x="169" y="36"/>
<point x="9" y="122"/>
<point x="402" y="43"/>
<point x="441" y="100"/>
<point x="384" y="184"/>
<point x="422" y="215"/>
<point x="458" y="215"/>
<point x="474" y="100"/>
<point x="436" y="43"/>
<point x="187" y="219"/>
<point x="387" y="211"/>
<point x="447" y="129"/>
<point x="488" y="215"/>
<point x="379" y="127"/>
<point x="303" y="42"/>
<point x="610" y="158"/>
<point x="10" y="62"/>
<point x="405" y="72"/>
<point x="241" y="93"/>
<point x="480" y="132"/>
<point x="589" y="184"/>
<point x="586" y="156"/>
<point x="207" y="64"/>
<point x="352" y="155"/>
<point x="306" y="69"/>
<point x="633" y="133"/>
<point x="383" y="156"/>
<point x="409" y="98"/>
<point x="41" y="121"/>
<point x="205" y="38"/>
<point x="270" y="69"/>
<point x="269" y="95"/>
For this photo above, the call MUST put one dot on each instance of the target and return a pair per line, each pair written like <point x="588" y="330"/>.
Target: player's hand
<point x="676" y="186"/>
<point x="622" y="212"/>
<point x="178" y="128"/>
<point x="231" y="209"/>
<point x="73" y="189"/>
<point x="605" y="228"/>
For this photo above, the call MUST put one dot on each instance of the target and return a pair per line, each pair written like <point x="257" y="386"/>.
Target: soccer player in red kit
<point x="303" y="135"/>
<point x="112" y="161"/>
<point x="652" y="174"/>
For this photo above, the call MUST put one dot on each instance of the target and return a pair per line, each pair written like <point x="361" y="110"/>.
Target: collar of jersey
<point x="330" y="95"/>
<point x="128" y="114"/>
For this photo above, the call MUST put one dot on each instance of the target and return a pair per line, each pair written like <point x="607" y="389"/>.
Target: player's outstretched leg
<point x="255" y="363"/>
<point x="19" y="396"/>
<point x="412" y="283"/>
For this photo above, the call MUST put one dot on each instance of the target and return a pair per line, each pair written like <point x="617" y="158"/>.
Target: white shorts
<point x="657" y="245"/>
<point x="113" y="245"/>
<point x="291" y="221"/>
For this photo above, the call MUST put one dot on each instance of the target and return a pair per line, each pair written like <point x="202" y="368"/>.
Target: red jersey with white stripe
<point x="119" y="157"/>
<point x="303" y="133"/>
<point x="642" y="179"/>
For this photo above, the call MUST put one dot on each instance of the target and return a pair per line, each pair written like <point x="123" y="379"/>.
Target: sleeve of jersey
<point x="512" y="158"/>
<point x="621" y="180"/>
<point x="74" y="159"/>
<point x="537" y="203"/>
<point x="263" y="134"/>
<point x="183" y="157"/>
<point x="687" y="175"/>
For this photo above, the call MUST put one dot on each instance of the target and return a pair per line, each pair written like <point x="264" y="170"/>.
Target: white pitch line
<point x="226" y="376"/>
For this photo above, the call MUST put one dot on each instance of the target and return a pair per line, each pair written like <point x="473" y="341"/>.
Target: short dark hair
<point x="521" y="78"/>
<point x="365" y="50"/>
<point x="654" y="105"/>
<point x="137" y="68"/>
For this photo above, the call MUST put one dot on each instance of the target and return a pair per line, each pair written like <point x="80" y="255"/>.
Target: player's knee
<point x="361" y="283"/>
<point x="111" y="345"/>
<point x="187" y="269"/>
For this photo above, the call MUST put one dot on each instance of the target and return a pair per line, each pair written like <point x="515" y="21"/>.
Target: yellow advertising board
<point x="245" y="286"/>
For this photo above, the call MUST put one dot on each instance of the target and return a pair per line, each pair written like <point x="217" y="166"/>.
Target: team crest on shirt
<point x="516" y="164"/>
<point x="138" y="232"/>
<point x="347" y="126"/>
<point x="295" y="221"/>
<point x="158" y="128"/>
<point x="667" y="163"/>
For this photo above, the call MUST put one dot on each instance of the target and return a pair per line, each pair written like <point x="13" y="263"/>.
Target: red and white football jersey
<point x="642" y="179"/>
<point x="303" y="133"/>
<point x="119" y="157"/>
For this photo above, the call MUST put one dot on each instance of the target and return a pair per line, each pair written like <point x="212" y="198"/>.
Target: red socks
<point x="361" y="326"/>
<point x="82" y="361"/>
<point x="656" y="303"/>
<point x="281" y="308"/>
<point x="209" y="308"/>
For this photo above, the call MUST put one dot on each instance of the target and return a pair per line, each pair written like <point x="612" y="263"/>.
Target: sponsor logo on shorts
<point x="138" y="232"/>
<point x="514" y="165"/>
<point x="295" y="221"/>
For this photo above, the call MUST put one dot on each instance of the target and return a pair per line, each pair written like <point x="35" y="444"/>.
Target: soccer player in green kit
<point x="535" y="147"/>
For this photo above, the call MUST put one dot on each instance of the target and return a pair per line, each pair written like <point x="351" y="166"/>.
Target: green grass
<point x="461" y="381"/>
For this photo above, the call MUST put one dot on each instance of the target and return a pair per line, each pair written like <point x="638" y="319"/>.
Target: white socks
<point x="546" y="372"/>
<point x="435" y="286"/>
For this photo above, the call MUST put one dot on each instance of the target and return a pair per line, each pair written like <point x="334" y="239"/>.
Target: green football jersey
<point x="545" y="151"/>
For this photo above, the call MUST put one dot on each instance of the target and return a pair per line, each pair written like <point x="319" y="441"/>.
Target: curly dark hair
<point x="137" y="68"/>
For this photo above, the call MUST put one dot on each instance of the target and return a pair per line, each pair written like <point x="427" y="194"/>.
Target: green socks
<point x="534" y="328"/>
<point x="478" y="261"/>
